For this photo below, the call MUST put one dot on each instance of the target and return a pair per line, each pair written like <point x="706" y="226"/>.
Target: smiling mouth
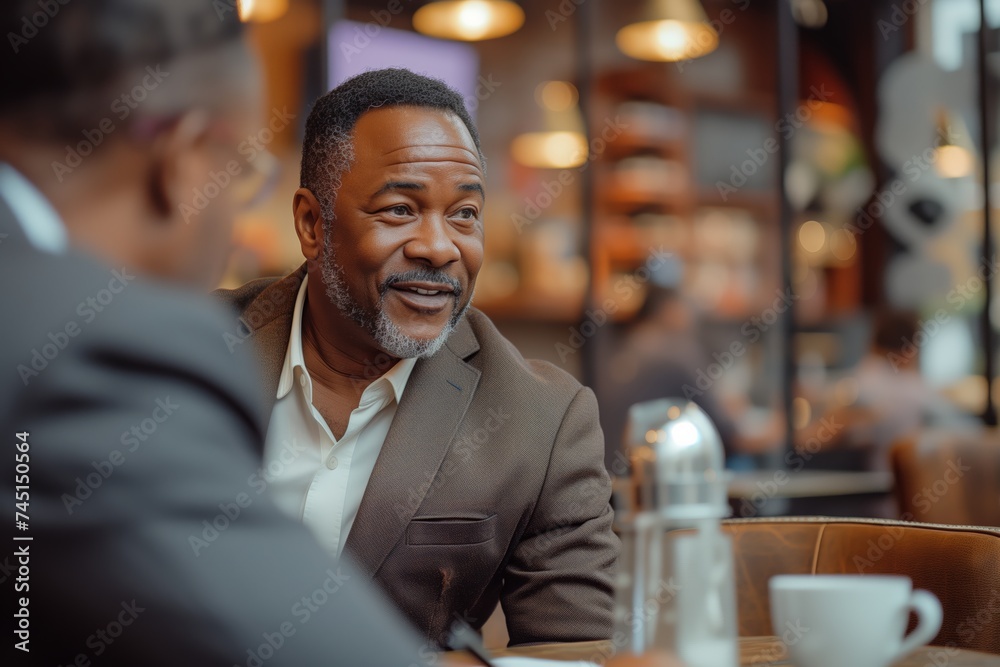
<point x="425" y="292"/>
<point x="427" y="299"/>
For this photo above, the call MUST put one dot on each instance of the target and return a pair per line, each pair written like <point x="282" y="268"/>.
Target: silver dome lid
<point x="677" y="460"/>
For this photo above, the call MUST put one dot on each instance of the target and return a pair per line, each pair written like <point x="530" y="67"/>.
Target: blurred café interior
<point x="781" y="211"/>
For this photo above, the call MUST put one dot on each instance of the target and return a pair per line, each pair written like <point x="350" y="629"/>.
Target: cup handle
<point x="929" y="617"/>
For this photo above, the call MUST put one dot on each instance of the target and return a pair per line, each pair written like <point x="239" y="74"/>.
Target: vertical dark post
<point x="986" y="138"/>
<point x="584" y="81"/>
<point x="333" y="11"/>
<point x="788" y="93"/>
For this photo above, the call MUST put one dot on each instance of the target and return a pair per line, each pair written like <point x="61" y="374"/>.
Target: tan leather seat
<point x="946" y="477"/>
<point x="959" y="564"/>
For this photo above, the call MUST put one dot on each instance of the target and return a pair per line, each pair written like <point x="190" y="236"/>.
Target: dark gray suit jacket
<point x="143" y="430"/>
<point x="490" y="484"/>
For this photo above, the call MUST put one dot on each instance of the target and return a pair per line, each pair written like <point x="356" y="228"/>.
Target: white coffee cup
<point x="835" y="620"/>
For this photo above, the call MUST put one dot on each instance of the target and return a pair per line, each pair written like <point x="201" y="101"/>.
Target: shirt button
<point x="302" y="380"/>
<point x="332" y="463"/>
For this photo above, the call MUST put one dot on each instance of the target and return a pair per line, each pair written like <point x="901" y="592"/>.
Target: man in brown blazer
<point x="403" y="426"/>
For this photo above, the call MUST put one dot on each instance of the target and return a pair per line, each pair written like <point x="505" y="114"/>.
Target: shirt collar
<point x="41" y="223"/>
<point x="396" y="377"/>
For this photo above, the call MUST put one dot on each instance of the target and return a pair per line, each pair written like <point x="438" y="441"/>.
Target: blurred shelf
<point x="546" y="309"/>
<point x="761" y="202"/>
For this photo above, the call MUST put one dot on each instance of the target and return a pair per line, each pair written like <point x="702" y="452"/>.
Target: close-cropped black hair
<point x="65" y="60"/>
<point x="327" y="147"/>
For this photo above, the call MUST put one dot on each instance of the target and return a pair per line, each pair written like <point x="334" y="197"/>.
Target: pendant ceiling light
<point x="952" y="159"/>
<point x="668" y="31"/>
<point x="469" y="20"/>
<point x="262" y="11"/>
<point x="560" y="143"/>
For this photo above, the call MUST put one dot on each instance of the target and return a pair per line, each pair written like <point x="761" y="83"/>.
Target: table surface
<point x="808" y="483"/>
<point x="754" y="652"/>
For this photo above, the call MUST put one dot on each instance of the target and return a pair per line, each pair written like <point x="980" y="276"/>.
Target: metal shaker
<point x="675" y="585"/>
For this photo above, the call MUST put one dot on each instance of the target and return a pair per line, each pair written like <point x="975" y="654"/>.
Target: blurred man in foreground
<point x="408" y="430"/>
<point x="130" y="430"/>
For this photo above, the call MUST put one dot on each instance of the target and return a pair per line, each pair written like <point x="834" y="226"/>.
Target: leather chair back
<point x="949" y="477"/>
<point x="959" y="564"/>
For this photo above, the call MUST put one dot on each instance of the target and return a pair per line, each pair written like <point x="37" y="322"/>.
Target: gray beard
<point x="387" y="335"/>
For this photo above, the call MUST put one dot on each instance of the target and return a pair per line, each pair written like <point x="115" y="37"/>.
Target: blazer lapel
<point x="434" y="403"/>
<point x="272" y="340"/>
<point x="268" y="318"/>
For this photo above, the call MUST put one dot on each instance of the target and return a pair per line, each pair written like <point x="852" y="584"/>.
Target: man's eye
<point x="468" y="214"/>
<point x="400" y="210"/>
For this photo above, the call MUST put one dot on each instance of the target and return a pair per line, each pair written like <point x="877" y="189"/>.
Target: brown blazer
<point x="490" y="486"/>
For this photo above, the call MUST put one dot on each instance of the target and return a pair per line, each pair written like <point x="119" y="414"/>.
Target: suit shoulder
<point x="94" y="321"/>
<point x="509" y="366"/>
<point x="185" y="329"/>
<point x="240" y="298"/>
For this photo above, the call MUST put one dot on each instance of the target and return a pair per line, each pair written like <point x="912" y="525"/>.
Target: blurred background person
<point x="894" y="401"/>
<point x="661" y="356"/>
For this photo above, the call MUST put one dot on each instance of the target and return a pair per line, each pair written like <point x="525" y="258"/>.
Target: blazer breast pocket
<point x="445" y="530"/>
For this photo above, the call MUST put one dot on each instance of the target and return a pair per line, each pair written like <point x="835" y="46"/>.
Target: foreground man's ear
<point x="308" y="223"/>
<point x="173" y="152"/>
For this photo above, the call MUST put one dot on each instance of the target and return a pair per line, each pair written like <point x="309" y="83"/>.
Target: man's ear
<point x="175" y="159"/>
<point x="308" y="216"/>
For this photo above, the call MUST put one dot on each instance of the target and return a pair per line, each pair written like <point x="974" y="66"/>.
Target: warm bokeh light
<point x="668" y="31"/>
<point x="550" y="150"/>
<point x="469" y="20"/>
<point x="666" y="40"/>
<point x="953" y="161"/>
<point x="846" y="391"/>
<point x="843" y="246"/>
<point x="812" y="236"/>
<point x="810" y="13"/>
<point x="801" y="412"/>
<point x="556" y="95"/>
<point x="262" y="11"/>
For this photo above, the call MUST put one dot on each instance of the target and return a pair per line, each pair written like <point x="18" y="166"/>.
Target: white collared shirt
<point x="39" y="220"/>
<point x="312" y="476"/>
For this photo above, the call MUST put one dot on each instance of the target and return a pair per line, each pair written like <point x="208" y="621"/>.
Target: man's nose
<point x="433" y="243"/>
